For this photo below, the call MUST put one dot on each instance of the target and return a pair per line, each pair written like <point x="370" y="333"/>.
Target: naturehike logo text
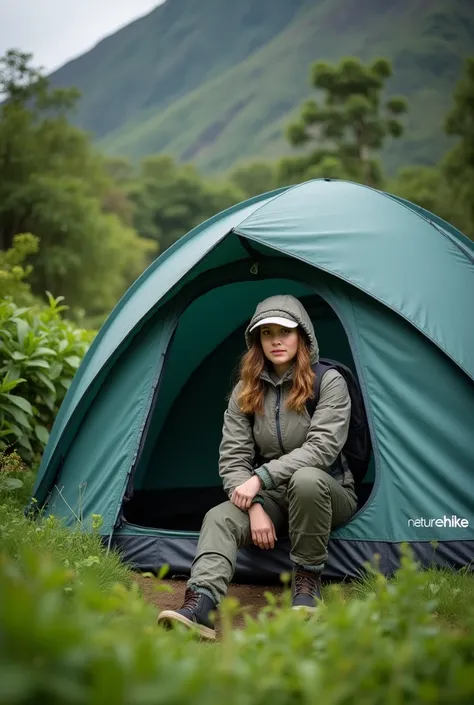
<point x="453" y="522"/>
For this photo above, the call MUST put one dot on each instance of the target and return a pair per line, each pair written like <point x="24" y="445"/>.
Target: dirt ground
<point x="252" y="597"/>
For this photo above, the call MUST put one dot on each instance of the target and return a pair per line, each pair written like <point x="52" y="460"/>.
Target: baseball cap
<point x="278" y="320"/>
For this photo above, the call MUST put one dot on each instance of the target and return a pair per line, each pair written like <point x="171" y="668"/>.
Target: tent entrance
<point x="176" y="480"/>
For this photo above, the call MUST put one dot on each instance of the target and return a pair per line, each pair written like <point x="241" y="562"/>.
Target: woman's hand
<point x="243" y="494"/>
<point x="262" y="527"/>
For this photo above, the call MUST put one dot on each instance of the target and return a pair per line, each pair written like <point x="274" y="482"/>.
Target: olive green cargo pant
<point x="314" y="504"/>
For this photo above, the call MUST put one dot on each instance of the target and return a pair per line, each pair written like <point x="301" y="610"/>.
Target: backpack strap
<point x="319" y="369"/>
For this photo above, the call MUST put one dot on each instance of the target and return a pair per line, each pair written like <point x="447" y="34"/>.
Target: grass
<point x="453" y="590"/>
<point x="79" y="549"/>
<point x="82" y="551"/>
<point x="77" y="645"/>
<point x="75" y="549"/>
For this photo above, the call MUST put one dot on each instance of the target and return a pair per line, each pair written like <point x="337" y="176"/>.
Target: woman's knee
<point x="308" y="482"/>
<point x="226" y="516"/>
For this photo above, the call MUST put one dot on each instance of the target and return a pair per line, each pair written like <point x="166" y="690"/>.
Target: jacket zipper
<point x="277" y="419"/>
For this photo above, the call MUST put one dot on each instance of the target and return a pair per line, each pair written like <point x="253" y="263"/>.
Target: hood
<point x="284" y="305"/>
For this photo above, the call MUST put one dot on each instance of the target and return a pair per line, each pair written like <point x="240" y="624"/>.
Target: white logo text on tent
<point x="452" y="522"/>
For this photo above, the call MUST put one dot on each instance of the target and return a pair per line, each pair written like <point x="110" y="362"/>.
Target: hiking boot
<point x="194" y="613"/>
<point x="306" y="590"/>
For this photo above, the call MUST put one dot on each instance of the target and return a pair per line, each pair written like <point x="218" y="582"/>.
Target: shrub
<point x="39" y="355"/>
<point x="13" y="270"/>
<point x="83" y="646"/>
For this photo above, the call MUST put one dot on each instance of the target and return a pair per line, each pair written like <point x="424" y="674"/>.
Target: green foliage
<point x="447" y="188"/>
<point x="87" y="646"/>
<point x="169" y="200"/>
<point x="54" y="185"/>
<point x="39" y="355"/>
<point x="79" y="551"/>
<point x="14" y="271"/>
<point x="16" y="481"/>
<point x="424" y="186"/>
<point x="348" y="127"/>
<point x="254" y="178"/>
<point x="453" y="590"/>
<point x="21" y="83"/>
<point x="458" y="164"/>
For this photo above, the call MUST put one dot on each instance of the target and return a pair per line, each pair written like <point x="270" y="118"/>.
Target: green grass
<point x="75" y="630"/>
<point x="453" y="590"/>
<point x="78" y="550"/>
<point x="81" y="551"/>
<point x="62" y="645"/>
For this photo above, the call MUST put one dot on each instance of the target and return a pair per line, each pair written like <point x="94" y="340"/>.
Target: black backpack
<point x="358" y="447"/>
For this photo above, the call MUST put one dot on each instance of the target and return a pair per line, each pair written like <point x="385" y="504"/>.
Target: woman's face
<point x="280" y="345"/>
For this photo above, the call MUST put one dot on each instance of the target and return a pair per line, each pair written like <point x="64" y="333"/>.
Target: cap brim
<point x="277" y="320"/>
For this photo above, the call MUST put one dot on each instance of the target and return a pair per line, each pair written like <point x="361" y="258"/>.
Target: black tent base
<point x="346" y="558"/>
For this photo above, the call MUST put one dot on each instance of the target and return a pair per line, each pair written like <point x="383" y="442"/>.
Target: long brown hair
<point x="251" y="398"/>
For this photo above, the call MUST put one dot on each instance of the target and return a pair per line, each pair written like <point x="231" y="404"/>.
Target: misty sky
<point x="57" y="30"/>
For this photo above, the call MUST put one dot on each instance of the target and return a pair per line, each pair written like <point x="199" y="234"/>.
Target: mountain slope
<point x="169" y="52"/>
<point x="225" y="90"/>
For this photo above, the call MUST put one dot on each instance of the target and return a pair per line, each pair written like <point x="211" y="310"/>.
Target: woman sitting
<point x="282" y="470"/>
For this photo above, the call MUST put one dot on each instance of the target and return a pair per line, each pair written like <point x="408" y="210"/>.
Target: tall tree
<point x="54" y="185"/>
<point x="342" y="133"/>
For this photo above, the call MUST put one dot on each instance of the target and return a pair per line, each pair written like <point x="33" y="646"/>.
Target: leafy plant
<point x="39" y="355"/>
<point x="14" y="271"/>
<point x="85" y="645"/>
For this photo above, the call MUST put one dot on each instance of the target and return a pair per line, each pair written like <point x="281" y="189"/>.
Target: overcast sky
<point x="57" y="30"/>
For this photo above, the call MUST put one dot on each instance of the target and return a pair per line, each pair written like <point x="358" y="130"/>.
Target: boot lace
<point x="191" y="600"/>
<point x="306" y="583"/>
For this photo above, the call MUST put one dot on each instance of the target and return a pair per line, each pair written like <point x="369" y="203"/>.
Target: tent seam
<point x="373" y="296"/>
<point x="444" y="233"/>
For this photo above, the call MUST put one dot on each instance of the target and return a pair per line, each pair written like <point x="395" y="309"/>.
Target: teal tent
<point x="389" y="287"/>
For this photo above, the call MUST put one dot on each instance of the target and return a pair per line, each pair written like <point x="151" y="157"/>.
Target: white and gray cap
<point x="277" y="320"/>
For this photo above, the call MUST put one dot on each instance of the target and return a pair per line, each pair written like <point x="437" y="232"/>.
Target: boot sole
<point x="168" y="618"/>
<point x="305" y="608"/>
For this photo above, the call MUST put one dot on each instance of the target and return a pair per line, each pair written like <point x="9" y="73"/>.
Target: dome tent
<point x="136" y="439"/>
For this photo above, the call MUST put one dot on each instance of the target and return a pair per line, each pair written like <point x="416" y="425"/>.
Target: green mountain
<point x="215" y="82"/>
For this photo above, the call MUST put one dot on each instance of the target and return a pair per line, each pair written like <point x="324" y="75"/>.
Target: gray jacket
<point x="289" y="440"/>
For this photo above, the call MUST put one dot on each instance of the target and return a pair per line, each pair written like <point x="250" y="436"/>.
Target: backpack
<point x="358" y="447"/>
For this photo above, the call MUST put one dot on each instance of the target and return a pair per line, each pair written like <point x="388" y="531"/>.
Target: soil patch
<point x="252" y="597"/>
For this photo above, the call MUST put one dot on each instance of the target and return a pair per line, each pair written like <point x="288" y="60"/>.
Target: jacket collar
<point x="272" y="378"/>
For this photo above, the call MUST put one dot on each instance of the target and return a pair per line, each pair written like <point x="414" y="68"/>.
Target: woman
<point x="281" y="469"/>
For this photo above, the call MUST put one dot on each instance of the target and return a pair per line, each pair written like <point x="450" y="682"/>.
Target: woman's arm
<point x="326" y="436"/>
<point x="237" y="448"/>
